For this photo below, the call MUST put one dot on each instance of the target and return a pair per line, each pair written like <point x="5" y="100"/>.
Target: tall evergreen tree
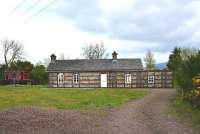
<point x="174" y="60"/>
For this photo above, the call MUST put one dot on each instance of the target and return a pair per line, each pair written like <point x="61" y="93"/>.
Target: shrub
<point x="39" y="74"/>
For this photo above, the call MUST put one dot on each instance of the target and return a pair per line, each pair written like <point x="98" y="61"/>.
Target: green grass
<point x="66" y="98"/>
<point x="186" y="112"/>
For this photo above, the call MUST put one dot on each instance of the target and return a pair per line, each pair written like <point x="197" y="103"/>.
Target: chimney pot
<point x="114" y="55"/>
<point x="53" y="58"/>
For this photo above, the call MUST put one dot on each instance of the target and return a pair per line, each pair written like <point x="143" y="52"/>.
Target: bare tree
<point x="94" y="51"/>
<point x="12" y="50"/>
<point x="149" y="60"/>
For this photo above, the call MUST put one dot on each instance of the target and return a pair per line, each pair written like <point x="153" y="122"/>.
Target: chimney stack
<point x="53" y="58"/>
<point x="114" y="55"/>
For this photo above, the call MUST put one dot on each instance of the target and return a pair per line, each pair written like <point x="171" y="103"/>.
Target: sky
<point x="130" y="27"/>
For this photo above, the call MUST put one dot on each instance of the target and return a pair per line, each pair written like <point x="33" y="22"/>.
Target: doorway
<point x="103" y="80"/>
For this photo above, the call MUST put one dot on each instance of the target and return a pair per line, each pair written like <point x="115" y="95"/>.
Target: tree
<point x="39" y="74"/>
<point x="2" y="69"/>
<point x="175" y="60"/>
<point x="188" y="70"/>
<point x="94" y="51"/>
<point x="149" y="60"/>
<point x="179" y="55"/>
<point x="12" y="50"/>
<point x="178" y="61"/>
<point x="184" y="62"/>
<point x="188" y="52"/>
<point x="21" y="66"/>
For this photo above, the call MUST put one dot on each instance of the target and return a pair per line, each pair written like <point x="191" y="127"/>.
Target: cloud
<point x="85" y="14"/>
<point x="160" y="22"/>
<point x="152" y="21"/>
<point x="130" y="27"/>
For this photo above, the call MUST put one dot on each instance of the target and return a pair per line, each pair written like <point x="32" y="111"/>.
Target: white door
<point x="60" y="80"/>
<point x="103" y="80"/>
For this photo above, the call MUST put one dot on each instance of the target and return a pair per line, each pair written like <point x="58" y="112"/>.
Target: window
<point x="151" y="79"/>
<point x="60" y="78"/>
<point x="76" y="78"/>
<point x="128" y="78"/>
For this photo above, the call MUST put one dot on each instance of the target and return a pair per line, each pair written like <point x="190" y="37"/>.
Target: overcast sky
<point x="130" y="27"/>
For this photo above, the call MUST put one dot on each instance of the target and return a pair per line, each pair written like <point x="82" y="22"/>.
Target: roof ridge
<point x="100" y="59"/>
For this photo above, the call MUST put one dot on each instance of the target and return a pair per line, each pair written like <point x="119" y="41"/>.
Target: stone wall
<point x="162" y="79"/>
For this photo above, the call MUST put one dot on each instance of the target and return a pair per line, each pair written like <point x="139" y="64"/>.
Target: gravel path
<point x="145" y="116"/>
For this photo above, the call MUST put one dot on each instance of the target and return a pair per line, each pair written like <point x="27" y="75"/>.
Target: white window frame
<point x="151" y="79"/>
<point x="60" y="78"/>
<point x="127" y="78"/>
<point x="76" y="78"/>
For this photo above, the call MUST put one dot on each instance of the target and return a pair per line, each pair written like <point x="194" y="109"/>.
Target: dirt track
<point x="146" y="116"/>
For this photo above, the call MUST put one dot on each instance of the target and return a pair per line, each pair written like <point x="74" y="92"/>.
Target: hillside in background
<point x="161" y="66"/>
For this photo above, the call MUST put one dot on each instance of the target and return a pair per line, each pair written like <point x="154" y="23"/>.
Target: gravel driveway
<point x="145" y="116"/>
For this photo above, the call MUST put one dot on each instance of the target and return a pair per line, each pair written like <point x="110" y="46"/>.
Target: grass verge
<point x="66" y="98"/>
<point x="186" y="112"/>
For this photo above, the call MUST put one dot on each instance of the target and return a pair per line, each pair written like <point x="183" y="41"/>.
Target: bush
<point x="39" y="75"/>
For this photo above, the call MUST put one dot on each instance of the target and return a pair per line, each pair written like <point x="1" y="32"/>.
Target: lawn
<point x="69" y="98"/>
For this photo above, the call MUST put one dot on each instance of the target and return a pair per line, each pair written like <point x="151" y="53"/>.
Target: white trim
<point x="103" y="80"/>
<point x="76" y="78"/>
<point x="127" y="78"/>
<point x="151" y="79"/>
<point x="60" y="78"/>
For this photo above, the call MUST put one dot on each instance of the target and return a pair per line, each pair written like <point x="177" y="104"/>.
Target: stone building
<point x="106" y="73"/>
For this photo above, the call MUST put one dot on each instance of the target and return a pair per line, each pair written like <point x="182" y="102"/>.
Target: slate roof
<point x="96" y="65"/>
